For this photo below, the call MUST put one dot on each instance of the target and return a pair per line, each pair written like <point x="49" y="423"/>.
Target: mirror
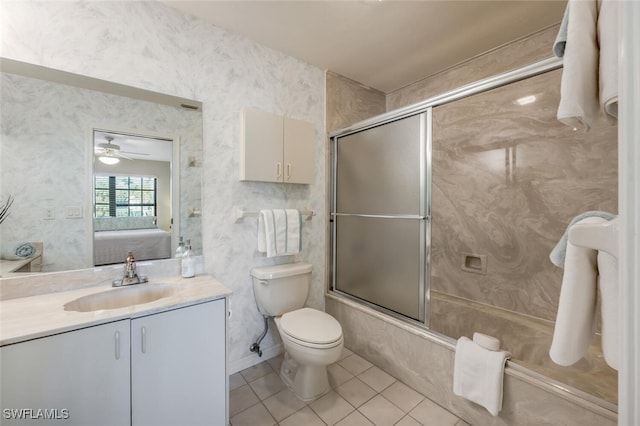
<point x="48" y="157"/>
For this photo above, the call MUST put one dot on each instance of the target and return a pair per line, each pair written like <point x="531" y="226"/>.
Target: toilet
<point x="312" y="339"/>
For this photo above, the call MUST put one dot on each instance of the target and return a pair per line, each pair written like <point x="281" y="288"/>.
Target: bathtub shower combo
<point x="444" y="213"/>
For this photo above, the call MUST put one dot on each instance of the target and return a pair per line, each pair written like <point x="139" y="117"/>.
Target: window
<point x="124" y="196"/>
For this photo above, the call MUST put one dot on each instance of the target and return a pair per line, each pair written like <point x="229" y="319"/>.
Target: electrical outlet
<point x="49" y="213"/>
<point x="73" y="212"/>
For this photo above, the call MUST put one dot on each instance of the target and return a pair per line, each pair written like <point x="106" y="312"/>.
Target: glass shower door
<point x="379" y="216"/>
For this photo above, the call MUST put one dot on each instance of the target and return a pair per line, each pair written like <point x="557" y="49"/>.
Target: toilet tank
<point x="281" y="288"/>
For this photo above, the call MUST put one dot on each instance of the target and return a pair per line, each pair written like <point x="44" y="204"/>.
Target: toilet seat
<point x="311" y="327"/>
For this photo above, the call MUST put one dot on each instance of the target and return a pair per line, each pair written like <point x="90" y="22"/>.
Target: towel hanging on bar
<point x="279" y="232"/>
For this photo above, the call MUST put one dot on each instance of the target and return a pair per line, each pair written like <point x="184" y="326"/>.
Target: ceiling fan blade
<point x="119" y="154"/>
<point x="134" y="153"/>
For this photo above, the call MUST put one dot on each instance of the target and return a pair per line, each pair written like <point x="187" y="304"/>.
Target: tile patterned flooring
<point x="361" y="395"/>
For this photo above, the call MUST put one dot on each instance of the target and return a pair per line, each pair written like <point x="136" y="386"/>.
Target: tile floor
<point x="361" y="395"/>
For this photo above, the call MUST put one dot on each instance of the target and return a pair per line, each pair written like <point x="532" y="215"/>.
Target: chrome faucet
<point x="130" y="275"/>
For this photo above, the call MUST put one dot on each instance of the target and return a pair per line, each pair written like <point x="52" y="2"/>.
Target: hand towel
<point x="557" y="255"/>
<point x="609" y="307"/>
<point x="478" y="374"/>
<point x="17" y="250"/>
<point x="576" y="307"/>
<point x="279" y="232"/>
<point x="608" y="42"/>
<point x="266" y="233"/>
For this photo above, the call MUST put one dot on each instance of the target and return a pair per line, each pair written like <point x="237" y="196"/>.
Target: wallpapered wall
<point x="45" y="143"/>
<point x="151" y="46"/>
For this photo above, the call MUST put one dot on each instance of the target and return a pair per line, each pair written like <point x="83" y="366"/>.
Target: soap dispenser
<point x="180" y="249"/>
<point x="188" y="262"/>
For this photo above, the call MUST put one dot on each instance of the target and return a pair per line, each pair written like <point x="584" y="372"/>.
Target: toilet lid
<point x="311" y="325"/>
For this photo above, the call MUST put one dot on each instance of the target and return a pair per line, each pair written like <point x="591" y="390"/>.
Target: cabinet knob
<point x="278" y="170"/>
<point x="288" y="171"/>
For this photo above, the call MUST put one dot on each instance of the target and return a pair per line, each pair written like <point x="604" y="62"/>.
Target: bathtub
<point x="536" y="391"/>
<point x="528" y="339"/>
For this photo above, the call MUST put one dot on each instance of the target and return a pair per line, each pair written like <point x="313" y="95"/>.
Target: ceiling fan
<point x="109" y="152"/>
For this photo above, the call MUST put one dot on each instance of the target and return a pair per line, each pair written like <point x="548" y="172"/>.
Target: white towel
<point x="584" y="270"/>
<point x="579" y="106"/>
<point x="561" y="39"/>
<point x="478" y="374"/>
<point x="279" y="232"/>
<point x="590" y="75"/>
<point x="608" y="283"/>
<point x="608" y="42"/>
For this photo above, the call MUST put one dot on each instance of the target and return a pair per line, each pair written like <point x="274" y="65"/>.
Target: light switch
<point x="73" y="212"/>
<point x="49" y="213"/>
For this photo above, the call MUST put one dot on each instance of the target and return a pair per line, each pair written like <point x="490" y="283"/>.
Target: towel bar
<point x="240" y="213"/>
<point x="596" y="236"/>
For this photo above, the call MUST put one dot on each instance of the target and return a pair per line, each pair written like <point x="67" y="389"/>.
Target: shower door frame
<point x="424" y="107"/>
<point x="424" y="216"/>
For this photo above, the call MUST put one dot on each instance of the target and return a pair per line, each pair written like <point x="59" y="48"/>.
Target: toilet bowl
<point x="312" y="339"/>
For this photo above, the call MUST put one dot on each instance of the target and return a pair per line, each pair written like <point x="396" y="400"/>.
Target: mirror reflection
<point x="49" y="134"/>
<point x="131" y="197"/>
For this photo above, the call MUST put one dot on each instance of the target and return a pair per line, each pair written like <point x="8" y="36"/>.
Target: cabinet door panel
<point x="262" y="134"/>
<point x="299" y="158"/>
<point x="180" y="378"/>
<point x="78" y="371"/>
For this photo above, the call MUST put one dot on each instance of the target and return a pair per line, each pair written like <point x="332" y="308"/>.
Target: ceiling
<point x="382" y="44"/>
<point x="137" y="147"/>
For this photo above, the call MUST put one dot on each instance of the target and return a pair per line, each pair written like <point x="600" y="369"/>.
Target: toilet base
<point x="306" y="382"/>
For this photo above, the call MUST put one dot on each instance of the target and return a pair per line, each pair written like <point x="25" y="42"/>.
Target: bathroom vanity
<point x="89" y="356"/>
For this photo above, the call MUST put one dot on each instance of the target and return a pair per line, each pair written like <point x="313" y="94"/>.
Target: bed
<point x="111" y="247"/>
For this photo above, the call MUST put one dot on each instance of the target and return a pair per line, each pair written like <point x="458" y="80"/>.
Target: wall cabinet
<point x="276" y="148"/>
<point x="162" y="369"/>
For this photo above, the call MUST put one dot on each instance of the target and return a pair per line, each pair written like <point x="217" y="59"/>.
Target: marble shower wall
<point x="149" y="45"/>
<point x="505" y="58"/>
<point x="349" y="102"/>
<point x="507" y="180"/>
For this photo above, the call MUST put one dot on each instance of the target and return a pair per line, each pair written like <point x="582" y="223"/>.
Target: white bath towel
<point x="608" y="43"/>
<point x="579" y="105"/>
<point x="609" y="306"/>
<point x="279" y="232"/>
<point x="584" y="270"/>
<point x="561" y="39"/>
<point x="478" y="374"/>
<point x="590" y="49"/>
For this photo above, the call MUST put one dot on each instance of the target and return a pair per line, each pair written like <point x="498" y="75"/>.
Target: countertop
<point x="31" y="317"/>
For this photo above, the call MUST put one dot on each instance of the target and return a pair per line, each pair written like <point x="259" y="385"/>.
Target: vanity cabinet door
<point x="76" y="378"/>
<point x="178" y="374"/>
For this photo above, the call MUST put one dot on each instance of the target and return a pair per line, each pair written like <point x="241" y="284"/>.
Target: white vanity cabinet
<point x="166" y="368"/>
<point x="178" y="367"/>
<point x="76" y="378"/>
<point x="276" y="148"/>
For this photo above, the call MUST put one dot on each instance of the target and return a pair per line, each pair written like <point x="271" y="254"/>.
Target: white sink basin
<point x="121" y="297"/>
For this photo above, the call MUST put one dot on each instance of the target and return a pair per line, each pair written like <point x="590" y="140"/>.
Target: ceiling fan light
<point x="109" y="160"/>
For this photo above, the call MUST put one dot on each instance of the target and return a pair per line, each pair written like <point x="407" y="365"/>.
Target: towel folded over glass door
<point x="380" y="212"/>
